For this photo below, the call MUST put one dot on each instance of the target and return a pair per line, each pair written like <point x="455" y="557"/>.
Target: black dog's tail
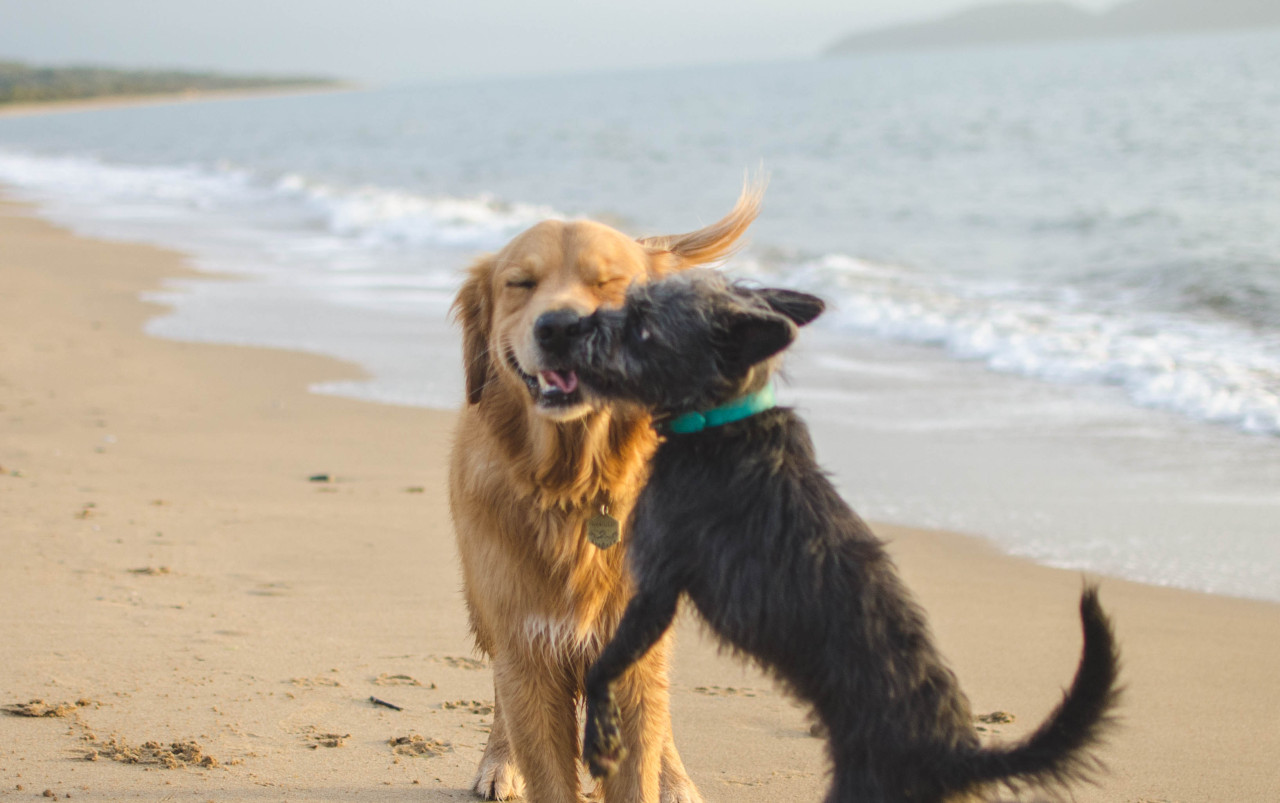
<point x="1059" y="750"/>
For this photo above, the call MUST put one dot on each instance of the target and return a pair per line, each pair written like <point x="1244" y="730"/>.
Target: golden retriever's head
<point x="519" y="307"/>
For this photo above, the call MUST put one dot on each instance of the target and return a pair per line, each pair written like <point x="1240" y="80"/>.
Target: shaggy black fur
<point x="742" y="519"/>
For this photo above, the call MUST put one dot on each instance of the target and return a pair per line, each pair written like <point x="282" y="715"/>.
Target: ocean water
<point x="1054" y="273"/>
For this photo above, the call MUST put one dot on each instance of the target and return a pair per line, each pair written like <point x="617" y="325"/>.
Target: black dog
<point x="738" y="515"/>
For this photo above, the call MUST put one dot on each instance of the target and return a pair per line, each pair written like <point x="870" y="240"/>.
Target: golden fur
<point x="524" y="479"/>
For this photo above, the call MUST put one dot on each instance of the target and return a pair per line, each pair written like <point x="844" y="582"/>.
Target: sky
<point x="402" y="41"/>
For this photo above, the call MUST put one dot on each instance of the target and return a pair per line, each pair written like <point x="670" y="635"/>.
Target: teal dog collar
<point x="736" y="410"/>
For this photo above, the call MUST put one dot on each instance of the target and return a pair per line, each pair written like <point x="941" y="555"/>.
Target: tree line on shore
<point x="23" y="83"/>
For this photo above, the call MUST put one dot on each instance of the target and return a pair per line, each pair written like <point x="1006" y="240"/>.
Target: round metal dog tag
<point x="603" y="530"/>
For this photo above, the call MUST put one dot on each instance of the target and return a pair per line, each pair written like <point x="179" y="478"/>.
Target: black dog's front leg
<point x="647" y="617"/>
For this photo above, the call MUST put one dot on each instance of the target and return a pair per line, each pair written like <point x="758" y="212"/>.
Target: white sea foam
<point x="1211" y="371"/>
<point x="365" y="217"/>
<point x="380" y="217"/>
<point x="89" y="181"/>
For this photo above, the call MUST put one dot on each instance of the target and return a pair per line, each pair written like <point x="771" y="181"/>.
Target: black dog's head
<point x="692" y="341"/>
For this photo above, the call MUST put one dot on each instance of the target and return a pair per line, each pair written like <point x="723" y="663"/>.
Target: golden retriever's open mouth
<point x="551" y="389"/>
<point x="558" y="383"/>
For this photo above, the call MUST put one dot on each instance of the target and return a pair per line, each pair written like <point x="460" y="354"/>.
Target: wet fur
<point x="524" y="480"/>
<point x="742" y="520"/>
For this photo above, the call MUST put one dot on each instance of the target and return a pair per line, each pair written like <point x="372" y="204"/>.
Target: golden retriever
<point x="533" y="461"/>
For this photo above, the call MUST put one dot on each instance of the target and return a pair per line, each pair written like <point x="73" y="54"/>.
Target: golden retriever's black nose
<point x="555" y="329"/>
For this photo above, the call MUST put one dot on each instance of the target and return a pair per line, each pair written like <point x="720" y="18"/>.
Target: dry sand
<point x="204" y="622"/>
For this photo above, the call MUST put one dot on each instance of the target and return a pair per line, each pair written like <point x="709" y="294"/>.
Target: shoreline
<point x="32" y="109"/>
<point x="173" y="565"/>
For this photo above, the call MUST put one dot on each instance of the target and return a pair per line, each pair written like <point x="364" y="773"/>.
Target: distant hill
<point x="1159" y="16"/>
<point x="23" y="83"/>
<point x="1052" y="20"/>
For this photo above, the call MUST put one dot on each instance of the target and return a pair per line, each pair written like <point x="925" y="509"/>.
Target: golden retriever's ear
<point x="675" y="252"/>
<point x="474" y="309"/>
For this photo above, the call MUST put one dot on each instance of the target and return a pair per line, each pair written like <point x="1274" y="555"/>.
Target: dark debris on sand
<point x="174" y="755"/>
<point x="415" y="745"/>
<point x="39" y="708"/>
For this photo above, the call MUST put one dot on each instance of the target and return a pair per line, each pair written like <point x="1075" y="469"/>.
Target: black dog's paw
<point x="602" y="745"/>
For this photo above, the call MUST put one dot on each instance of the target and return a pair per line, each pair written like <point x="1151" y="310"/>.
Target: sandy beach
<point x="210" y="572"/>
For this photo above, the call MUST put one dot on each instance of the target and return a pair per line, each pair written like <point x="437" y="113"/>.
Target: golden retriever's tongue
<point x="565" y="383"/>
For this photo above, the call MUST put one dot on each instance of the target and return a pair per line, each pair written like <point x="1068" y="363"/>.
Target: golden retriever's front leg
<point x="539" y="702"/>
<point x="498" y="777"/>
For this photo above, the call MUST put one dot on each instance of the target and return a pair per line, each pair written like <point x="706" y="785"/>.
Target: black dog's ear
<point x="753" y="337"/>
<point x="801" y="308"/>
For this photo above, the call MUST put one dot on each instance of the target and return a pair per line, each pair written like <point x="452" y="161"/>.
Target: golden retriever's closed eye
<point x="534" y="459"/>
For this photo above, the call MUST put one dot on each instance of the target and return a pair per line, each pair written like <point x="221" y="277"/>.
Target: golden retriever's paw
<point x="602" y="747"/>
<point x="498" y="779"/>
<point x="678" y="789"/>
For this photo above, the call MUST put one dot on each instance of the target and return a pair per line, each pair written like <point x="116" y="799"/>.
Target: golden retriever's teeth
<point x="544" y="384"/>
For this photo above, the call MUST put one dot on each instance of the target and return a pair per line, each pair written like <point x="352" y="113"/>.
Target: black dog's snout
<point x="554" y="330"/>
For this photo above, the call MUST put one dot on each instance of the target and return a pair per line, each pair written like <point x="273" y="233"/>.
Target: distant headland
<point x="23" y="83"/>
<point x="1052" y="20"/>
